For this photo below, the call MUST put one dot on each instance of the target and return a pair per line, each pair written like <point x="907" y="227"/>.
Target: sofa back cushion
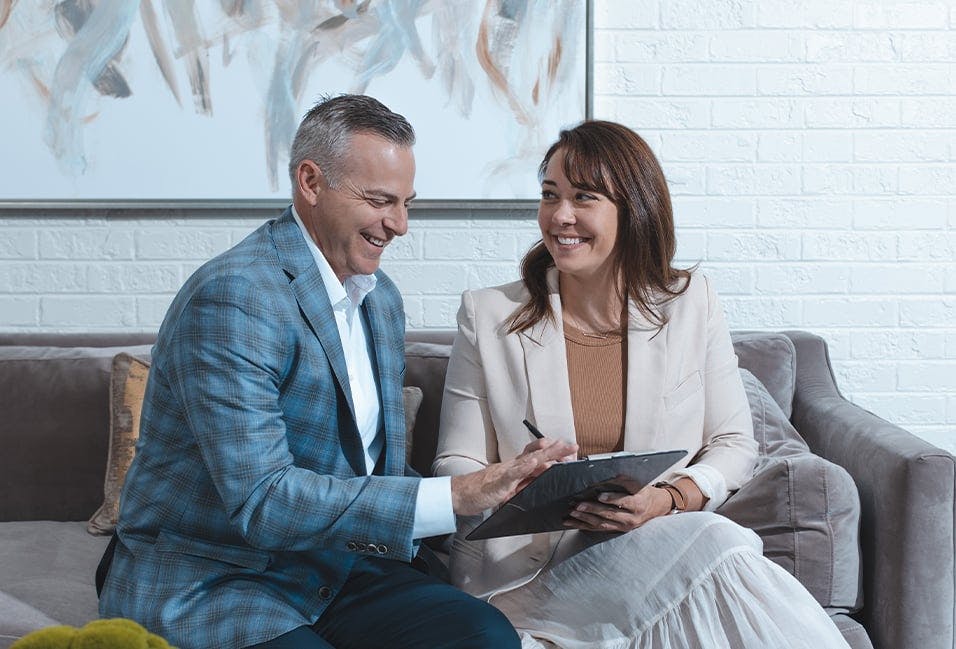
<point x="54" y="400"/>
<point x="772" y="358"/>
<point x="55" y="417"/>
<point x="425" y="367"/>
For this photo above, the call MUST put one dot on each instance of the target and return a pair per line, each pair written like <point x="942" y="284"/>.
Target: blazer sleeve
<point x="229" y="360"/>
<point x="728" y="439"/>
<point x="466" y="436"/>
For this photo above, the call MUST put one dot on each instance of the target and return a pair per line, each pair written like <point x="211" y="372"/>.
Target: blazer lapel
<point x="646" y="361"/>
<point x="546" y="364"/>
<point x="313" y="298"/>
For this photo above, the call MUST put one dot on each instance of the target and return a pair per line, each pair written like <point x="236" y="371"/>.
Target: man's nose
<point x="397" y="220"/>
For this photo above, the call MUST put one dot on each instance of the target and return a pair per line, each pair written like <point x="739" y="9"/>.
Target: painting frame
<point x="84" y="207"/>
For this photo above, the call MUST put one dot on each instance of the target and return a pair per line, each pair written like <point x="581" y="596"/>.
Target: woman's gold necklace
<point x="600" y="335"/>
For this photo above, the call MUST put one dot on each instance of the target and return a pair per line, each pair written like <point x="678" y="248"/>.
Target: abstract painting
<point x="198" y="100"/>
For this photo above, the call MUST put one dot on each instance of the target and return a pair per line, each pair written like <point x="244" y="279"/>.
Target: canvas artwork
<point x="198" y="100"/>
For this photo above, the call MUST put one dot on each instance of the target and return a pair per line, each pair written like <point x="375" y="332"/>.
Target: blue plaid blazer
<point x="248" y="500"/>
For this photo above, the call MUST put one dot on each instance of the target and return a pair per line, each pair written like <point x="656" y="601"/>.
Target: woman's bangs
<point x="584" y="169"/>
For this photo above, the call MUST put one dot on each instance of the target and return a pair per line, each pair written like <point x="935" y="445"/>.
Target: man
<point x="269" y="504"/>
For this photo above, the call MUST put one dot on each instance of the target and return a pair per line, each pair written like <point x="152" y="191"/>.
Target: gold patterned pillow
<point x="128" y="376"/>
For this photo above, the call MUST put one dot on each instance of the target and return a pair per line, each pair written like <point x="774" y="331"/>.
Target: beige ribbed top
<point x="597" y="373"/>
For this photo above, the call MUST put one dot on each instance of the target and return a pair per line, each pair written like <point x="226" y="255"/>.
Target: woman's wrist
<point x="673" y="498"/>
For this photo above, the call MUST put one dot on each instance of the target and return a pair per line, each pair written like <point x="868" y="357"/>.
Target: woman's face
<point x="578" y="226"/>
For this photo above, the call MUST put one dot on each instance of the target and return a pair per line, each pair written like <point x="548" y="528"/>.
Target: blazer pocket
<point x="689" y="386"/>
<point x="233" y="555"/>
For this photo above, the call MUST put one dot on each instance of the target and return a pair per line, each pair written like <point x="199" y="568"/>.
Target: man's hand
<point x="473" y="493"/>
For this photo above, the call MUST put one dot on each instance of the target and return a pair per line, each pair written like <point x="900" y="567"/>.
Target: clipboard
<point x="543" y="505"/>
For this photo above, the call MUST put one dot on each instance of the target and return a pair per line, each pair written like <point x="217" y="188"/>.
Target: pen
<point x="534" y="431"/>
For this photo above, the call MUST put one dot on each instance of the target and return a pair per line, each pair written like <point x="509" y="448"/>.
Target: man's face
<point x="354" y="221"/>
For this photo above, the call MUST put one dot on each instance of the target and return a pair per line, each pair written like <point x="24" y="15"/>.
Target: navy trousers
<point x="391" y="604"/>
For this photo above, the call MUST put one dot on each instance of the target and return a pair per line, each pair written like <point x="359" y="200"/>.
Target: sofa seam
<point x="790" y="515"/>
<point x="828" y="516"/>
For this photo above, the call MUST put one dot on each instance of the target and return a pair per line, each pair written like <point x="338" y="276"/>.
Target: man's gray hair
<point x="326" y="131"/>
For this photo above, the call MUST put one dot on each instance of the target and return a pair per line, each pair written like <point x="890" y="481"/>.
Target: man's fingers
<point x="557" y="450"/>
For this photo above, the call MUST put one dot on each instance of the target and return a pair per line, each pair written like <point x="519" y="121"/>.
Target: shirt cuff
<point x="433" y="511"/>
<point x="709" y="480"/>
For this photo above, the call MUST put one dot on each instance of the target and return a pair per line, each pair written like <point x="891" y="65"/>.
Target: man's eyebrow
<point x="381" y="193"/>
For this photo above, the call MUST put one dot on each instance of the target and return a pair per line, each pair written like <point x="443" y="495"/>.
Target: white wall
<point x="811" y="149"/>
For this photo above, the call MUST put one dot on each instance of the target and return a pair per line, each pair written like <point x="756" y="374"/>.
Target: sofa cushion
<point x="54" y="426"/>
<point x="805" y="509"/>
<point x="772" y="358"/>
<point x="852" y="631"/>
<point x="49" y="566"/>
<point x="18" y="619"/>
<point x="128" y="376"/>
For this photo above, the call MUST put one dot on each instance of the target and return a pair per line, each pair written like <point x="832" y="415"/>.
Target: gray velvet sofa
<point x="881" y="558"/>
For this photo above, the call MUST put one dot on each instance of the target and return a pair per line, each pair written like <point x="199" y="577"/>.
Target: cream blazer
<point x="683" y="392"/>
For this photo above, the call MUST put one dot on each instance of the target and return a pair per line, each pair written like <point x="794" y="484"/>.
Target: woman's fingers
<point x="617" y="520"/>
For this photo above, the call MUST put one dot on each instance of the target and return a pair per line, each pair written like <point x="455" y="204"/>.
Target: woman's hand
<point x="617" y="512"/>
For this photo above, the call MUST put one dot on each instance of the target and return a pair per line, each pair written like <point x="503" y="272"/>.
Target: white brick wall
<point x="811" y="150"/>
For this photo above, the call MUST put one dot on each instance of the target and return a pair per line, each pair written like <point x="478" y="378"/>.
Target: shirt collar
<point x="356" y="287"/>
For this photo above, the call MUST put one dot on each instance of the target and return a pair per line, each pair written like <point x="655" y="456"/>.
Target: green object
<point x="116" y="633"/>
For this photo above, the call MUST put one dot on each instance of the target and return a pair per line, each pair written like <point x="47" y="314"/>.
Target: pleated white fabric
<point x="691" y="581"/>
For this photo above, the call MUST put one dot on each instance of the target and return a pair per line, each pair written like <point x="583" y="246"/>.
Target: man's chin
<point x="367" y="267"/>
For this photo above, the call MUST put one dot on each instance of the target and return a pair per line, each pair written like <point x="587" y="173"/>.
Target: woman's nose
<point x="563" y="214"/>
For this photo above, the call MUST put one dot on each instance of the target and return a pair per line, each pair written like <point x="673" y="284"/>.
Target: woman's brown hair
<point x="613" y="160"/>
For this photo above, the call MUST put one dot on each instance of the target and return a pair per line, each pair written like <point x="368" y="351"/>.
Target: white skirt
<point x="695" y="580"/>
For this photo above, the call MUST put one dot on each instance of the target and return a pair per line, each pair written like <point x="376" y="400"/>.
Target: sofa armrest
<point x="907" y="488"/>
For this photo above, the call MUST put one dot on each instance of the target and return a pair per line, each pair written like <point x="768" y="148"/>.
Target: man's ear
<point x="309" y="181"/>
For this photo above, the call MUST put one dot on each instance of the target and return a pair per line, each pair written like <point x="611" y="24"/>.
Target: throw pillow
<point x="127" y="388"/>
<point x="774" y="433"/>
<point x="56" y="425"/>
<point x="412" y="398"/>
<point x="804" y="508"/>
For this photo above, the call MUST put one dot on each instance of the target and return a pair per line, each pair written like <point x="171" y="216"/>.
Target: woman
<point x="604" y="343"/>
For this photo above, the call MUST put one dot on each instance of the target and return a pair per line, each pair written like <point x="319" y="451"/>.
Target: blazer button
<point x="363" y="547"/>
<point x="325" y="592"/>
<point x="351" y="546"/>
<point x="382" y="549"/>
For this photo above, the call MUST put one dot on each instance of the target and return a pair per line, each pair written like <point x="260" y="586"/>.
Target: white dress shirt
<point x="433" y="509"/>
